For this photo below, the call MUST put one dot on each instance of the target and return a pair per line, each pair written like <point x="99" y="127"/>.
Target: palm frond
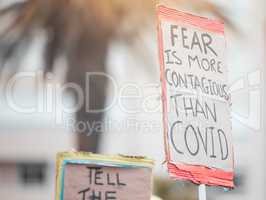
<point x="82" y="30"/>
<point x="15" y="7"/>
<point x="65" y="21"/>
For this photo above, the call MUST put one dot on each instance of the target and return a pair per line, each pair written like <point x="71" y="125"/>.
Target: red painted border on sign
<point x="200" y="22"/>
<point x="196" y="174"/>
<point x="201" y="175"/>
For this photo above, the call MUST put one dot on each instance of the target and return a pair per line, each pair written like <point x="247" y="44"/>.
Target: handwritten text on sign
<point x="196" y="95"/>
<point x="86" y="182"/>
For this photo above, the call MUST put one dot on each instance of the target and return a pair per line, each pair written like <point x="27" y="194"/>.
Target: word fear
<point x="196" y="40"/>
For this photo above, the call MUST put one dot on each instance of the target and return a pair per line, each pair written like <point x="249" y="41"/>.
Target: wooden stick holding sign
<point x="202" y="192"/>
<point x="83" y="176"/>
<point x="196" y="108"/>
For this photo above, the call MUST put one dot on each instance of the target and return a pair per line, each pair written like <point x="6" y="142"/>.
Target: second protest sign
<point x="196" y="108"/>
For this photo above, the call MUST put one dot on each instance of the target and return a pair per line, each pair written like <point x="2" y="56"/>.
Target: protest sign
<point x="83" y="176"/>
<point x="196" y="107"/>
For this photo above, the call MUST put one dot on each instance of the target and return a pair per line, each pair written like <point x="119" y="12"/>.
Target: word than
<point x="193" y="107"/>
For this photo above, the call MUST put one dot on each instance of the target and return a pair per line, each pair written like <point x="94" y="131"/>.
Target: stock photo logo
<point x="49" y="97"/>
<point x="63" y="100"/>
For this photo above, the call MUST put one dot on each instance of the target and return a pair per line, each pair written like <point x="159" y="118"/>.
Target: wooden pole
<point x="202" y="192"/>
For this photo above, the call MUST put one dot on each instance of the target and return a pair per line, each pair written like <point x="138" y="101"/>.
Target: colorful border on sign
<point x="88" y="158"/>
<point x="196" y="174"/>
<point x="206" y="24"/>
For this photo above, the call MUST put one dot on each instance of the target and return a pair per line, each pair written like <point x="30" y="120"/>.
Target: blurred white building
<point x="29" y="140"/>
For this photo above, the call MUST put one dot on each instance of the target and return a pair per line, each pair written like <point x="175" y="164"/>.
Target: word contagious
<point x="191" y="81"/>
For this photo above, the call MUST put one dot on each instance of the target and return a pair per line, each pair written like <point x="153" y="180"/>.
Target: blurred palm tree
<point x="81" y="31"/>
